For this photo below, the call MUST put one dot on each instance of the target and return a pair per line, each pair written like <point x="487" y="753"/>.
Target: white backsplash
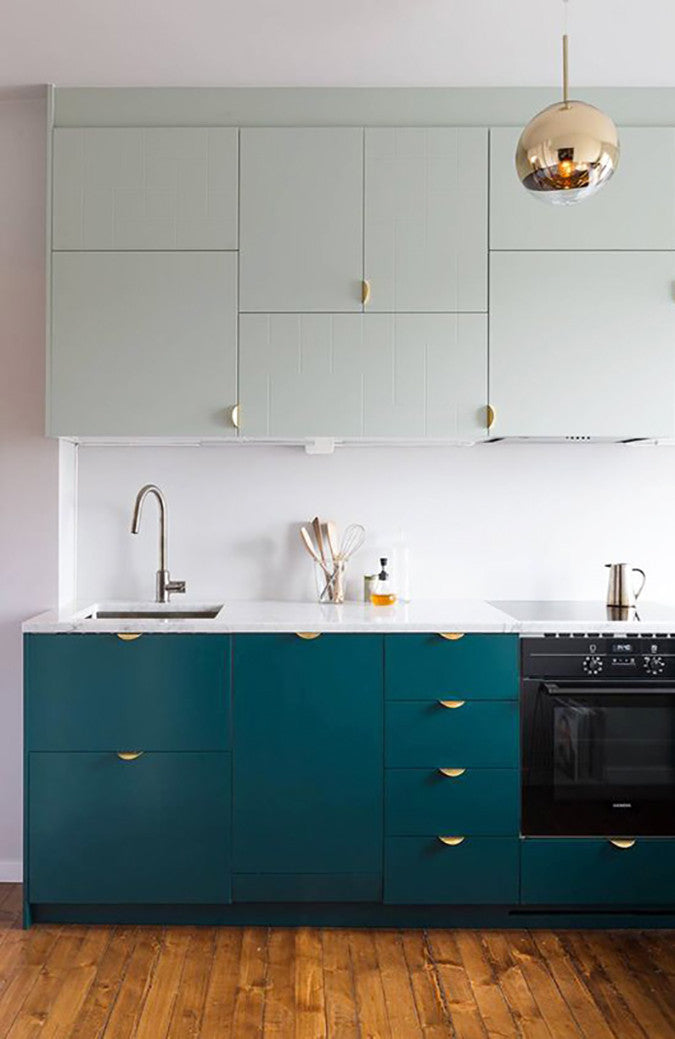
<point x="499" y="520"/>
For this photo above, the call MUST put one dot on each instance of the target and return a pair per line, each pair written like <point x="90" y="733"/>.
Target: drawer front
<point x="99" y="692"/>
<point x="479" y="871"/>
<point x="475" y="667"/>
<point x="104" y="830"/>
<point x="477" y="802"/>
<point x="583" y="871"/>
<point x="423" y="734"/>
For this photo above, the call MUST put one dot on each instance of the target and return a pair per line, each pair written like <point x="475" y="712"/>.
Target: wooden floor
<point x="153" y="982"/>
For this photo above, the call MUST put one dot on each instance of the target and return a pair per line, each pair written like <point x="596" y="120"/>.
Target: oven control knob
<point x="592" y="665"/>
<point x="655" y="665"/>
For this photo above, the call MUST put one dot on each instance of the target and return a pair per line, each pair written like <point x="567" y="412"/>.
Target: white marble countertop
<point x="460" y="615"/>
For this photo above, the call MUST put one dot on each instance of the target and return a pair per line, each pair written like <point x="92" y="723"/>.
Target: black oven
<point x="598" y="735"/>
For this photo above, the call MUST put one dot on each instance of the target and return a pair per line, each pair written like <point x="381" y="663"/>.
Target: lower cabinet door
<point x="153" y="829"/>
<point x="590" y="871"/>
<point x="308" y="770"/>
<point x="468" y="733"/>
<point x="477" y="871"/>
<point x="462" y="800"/>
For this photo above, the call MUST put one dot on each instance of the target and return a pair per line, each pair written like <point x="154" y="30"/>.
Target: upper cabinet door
<point x="301" y="244"/>
<point x="145" y="188"/>
<point x="426" y="219"/>
<point x="635" y="209"/>
<point x="582" y="344"/>
<point x="411" y="376"/>
<point x="143" y="344"/>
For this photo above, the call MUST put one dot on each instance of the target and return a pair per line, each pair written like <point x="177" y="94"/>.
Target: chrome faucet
<point x="165" y="586"/>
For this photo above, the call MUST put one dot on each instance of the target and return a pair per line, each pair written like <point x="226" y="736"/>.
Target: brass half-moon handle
<point x="452" y="773"/>
<point x="234" y="416"/>
<point x="365" y="292"/>
<point x="490" y="416"/>
<point x="452" y="704"/>
<point x="308" y="634"/>
<point x="451" y="636"/>
<point x="128" y="636"/>
<point x="622" y="842"/>
<point x="129" y="755"/>
<point x="451" y="842"/>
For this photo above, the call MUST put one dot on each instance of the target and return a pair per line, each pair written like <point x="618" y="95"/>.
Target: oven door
<point x="598" y="760"/>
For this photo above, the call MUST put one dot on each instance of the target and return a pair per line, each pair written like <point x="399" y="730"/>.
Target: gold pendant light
<point x="569" y="150"/>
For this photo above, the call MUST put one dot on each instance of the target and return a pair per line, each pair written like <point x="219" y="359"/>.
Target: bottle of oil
<point x="383" y="593"/>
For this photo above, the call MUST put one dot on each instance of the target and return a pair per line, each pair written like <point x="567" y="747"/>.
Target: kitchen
<point x="241" y="797"/>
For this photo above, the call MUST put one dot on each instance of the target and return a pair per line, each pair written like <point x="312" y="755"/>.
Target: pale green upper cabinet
<point x="426" y="206"/>
<point x="301" y="211"/>
<point x="635" y="209"/>
<point x="143" y="344"/>
<point x="582" y="344"/>
<point x="363" y="375"/>
<point x="145" y="188"/>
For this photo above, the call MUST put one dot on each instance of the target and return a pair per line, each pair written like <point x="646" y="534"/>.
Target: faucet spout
<point x="165" y="586"/>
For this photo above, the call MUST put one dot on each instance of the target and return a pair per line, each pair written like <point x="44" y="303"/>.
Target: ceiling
<point x="336" y="43"/>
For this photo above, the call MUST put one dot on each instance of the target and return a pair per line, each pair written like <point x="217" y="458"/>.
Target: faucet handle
<point x="175" y="586"/>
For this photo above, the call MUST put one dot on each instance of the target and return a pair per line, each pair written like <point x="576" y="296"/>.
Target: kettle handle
<point x="637" y="570"/>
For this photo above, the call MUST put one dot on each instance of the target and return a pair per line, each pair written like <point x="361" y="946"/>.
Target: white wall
<point x="502" y="520"/>
<point x="28" y="462"/>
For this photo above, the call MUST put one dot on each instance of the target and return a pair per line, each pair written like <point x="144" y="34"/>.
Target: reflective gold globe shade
<point x="568" y="151"/>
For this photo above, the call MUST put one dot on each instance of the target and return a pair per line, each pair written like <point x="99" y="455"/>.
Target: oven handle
<point x="553" y="689"/>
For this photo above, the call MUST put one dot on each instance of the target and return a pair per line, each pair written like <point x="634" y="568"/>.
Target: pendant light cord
<point x="565" y="57"/>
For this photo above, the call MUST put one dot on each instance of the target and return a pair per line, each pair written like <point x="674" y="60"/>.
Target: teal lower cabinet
<point x="474" y="871"/>
<point x="451" y="666"/>
<point x="483" y="802"/>
<point x="596" y="872"/>
<point x="148" y="829"/>
<point x="308" y="768"/>
<point x="455" y="732"/>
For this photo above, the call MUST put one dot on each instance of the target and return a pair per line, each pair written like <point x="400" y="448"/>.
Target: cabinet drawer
<point x="475" y="667"/>
<point x="479" y="801"/>
<point x="156" y="829"/>
<point x="99" y="692"/>
<point x="479" y="871"/>
<point x="424" y="734"/>
<point x="589" y="871"/>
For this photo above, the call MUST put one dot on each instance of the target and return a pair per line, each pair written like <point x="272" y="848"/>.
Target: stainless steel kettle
<point x="621" y="589"/>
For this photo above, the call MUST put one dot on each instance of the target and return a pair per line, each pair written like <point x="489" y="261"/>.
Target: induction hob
<point x="585" y="613"/>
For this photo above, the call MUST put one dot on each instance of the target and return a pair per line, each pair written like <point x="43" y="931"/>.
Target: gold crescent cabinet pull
<point x="452" y="704"/>
<point x="452" y="773"/>
<point x="308" y="634"/>
<point x="128" y="636"/>
<point x="365" y="292"/>
<point x="622" y="842"/>
<point x="234" y="416"/>
<point x="451" y="842"/>
<point x="451" y="636"/>
<point x="490" y="416"/>
<point x="129" y="755"/>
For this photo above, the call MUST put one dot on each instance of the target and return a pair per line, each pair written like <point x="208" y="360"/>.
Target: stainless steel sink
<point x="204" y="613"/>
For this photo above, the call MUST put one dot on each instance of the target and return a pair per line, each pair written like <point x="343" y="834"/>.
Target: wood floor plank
<point x="310" y="1007"/>
<point x="222" y="987"/>
<point x="338" y="983"/>
<point x="575" y="993"/>
<point x="250" y="998"/>
<point x="157" y="1009"/>
<point x="188" y="1008"/>
<point x="33" y="1015"/>
<point x="460" y="1001"/>
<point x="27" y="955"/>
<point x="279" y="1010"/>
<point x="372" y="1007"/>
<point x="494" y="1010"/>
<point x="106" y="985"/>
<point x="609" y="1001"/>
<point x="656" y="1021"/>
<point x="127" y="1007"/>
<point x="426" y="986"/>
<point x="554" y="1010"/>
<point x="78" y="977"/>
<point x="516" y="991"/>
<point x="398" y="993"/>
<point x="660" y="986"/>
<point x="661" y="948"/>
